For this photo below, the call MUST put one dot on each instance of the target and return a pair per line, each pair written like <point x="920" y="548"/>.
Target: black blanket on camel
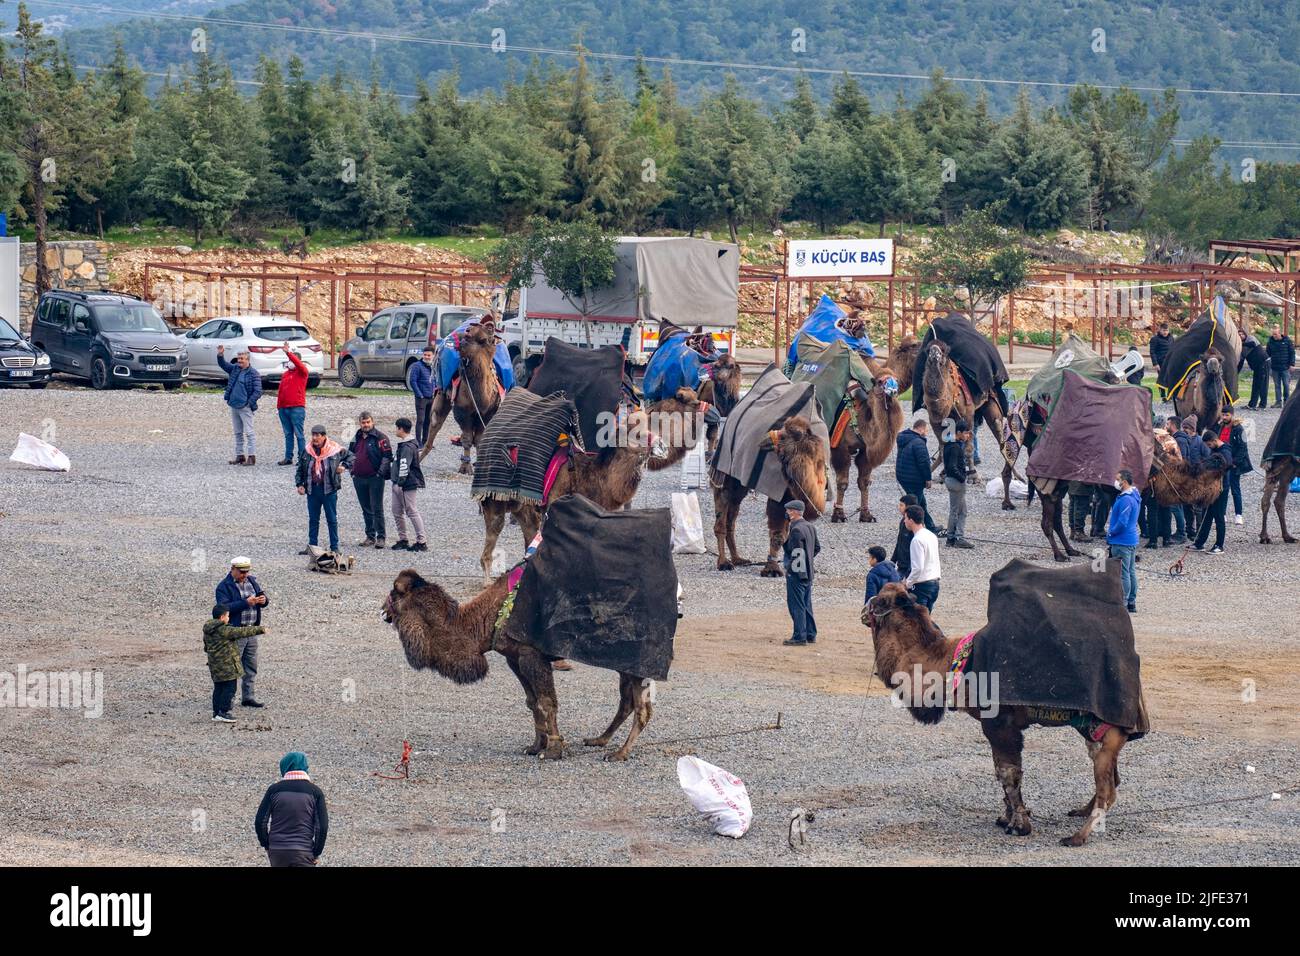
<point x="1060" y="638"/>
<point x="591" y="378"/>
<point x="1284" y="440"/>
<point x="976" y="358"/>
<point x="601" y="589"/>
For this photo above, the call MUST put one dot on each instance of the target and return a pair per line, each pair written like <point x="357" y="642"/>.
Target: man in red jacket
<point x="291" y="402"/>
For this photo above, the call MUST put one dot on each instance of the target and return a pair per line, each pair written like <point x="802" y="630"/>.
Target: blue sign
<point x="4" y="225"/>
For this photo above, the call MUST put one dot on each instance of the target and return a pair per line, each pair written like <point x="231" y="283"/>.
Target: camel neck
<point x="478" y="616"/>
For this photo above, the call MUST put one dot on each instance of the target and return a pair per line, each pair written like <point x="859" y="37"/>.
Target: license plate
<point x="157" y="368"/>
<point x="25" y="373"/>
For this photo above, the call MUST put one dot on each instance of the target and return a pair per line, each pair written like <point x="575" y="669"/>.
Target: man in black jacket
<point x="292" y="823"/>
<point x="374" y="458"/>
<point x="954" y="479"/>
<point x="800" y="547"/>
<point x="1159" y="348"/>
<point x="912" y="462"/>
<point x="902" y="556"/>
<point x="407" y="479"/>
<point x="1281" y="359"/>
<point x="1254" y="355"/>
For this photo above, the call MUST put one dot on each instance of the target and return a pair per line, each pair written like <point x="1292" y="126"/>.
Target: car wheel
<point x="100" y="377"/>
<point x="172" y="386"/>
<point x="410" y="367"/>
<point x="313" y="382"/>
<point x="349" y="375"/>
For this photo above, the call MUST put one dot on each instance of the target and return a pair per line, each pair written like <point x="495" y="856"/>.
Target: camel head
<point x="478" y="343"/>
<point x="429" y="625"/>
<point x="803" y="460"/>
<point x="936" y="382"/>
<point x="725" y="375"/>
<point x="678" y="423"/>
<point x="902" y="636"/>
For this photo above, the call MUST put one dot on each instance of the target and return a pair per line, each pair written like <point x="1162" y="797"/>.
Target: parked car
<point x="261" y="336"/>
<point x="385" y="348"/>
<point x="21" y="363"/>
<point x="111" y="338"/>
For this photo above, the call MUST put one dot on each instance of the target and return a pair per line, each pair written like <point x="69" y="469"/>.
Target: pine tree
<point x="588" y="146"/>
<point x="1045" y="173"/>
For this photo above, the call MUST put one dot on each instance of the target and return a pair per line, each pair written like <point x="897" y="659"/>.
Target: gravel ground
<point x="112" y="567"/>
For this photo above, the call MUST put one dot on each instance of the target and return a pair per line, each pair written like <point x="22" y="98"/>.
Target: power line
<point x="624" y="57"/>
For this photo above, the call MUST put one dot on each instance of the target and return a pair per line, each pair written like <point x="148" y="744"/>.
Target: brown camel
<point x="1278" y="475"/>
<point x="1203" y="392"/>
<point x="476" y="398"/>
<point x="945" y="397"/>
<point x="803" y="460"/>
<point x="907" y="642"/>
<point x="902" y="360"/>
<point x="1172" y="482"/>
<point x="721" y="390"/>
<point x="658" y="438"/>
<point x="878" y="418"/>
<point x="439" y="634"/>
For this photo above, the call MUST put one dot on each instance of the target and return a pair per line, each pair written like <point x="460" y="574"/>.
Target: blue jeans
<point x="1282" y="385"/>
<point x="1234" y="486"/>
<point x="316" y="500"/>
<point x="798" y="599"/>
<point x="926" y="593"/>
<point x="291" y="422"/>
<point x="1128" y="571"/>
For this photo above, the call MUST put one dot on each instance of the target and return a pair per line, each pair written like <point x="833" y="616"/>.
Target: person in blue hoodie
<point x="912" y="463"/>
<point x="882" y="571"/>
<point x="1122" y="534"/>
<point x="422" y="388"/>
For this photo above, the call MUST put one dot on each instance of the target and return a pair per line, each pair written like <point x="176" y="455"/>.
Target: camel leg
<point x="539" y="737"/>
<point x="1105" y="772"/>
<point x="468" y="442"/>
<point x="732" y="517"/>
<point x="992" y="416"/>
<point x="1007" y="742"/>
<point x="625" y="706"/>
<point x="724" y="523"/>
<point x="537" y="670"/>
<point x="841" y="486"/>
<point x="864" y="489"/>
<point x="1051" y="525"/>
<point x="641" y="702"/>
<point x="1265" y="503"/>
<point x="529" y="520"/>
<point x="494" y="519"/>
<point x="438" y="413"/>
<point x="1279" y="503"/>
<point x="777" y="524"/>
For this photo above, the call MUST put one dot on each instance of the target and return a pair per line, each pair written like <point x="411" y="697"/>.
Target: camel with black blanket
<point x="1200" y="371"/>
<point x="1057" y="651"/>
<point x="473" y="398"/>
<point x="1281" y="466"/>
<point x="552" y="613"/>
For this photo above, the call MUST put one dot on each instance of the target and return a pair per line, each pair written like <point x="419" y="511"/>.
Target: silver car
<point x="261" y="336"/>
<point x="386" y="347"/>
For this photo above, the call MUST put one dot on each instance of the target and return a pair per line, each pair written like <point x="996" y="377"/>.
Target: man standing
<point x="1254" y="355"/>
<point x="954" y="479"/>
<point x="1122" y="534"/>
<point x="422" y="386"/>
<point x="407" y="479"/>
<point x="800" y="547"/>
<point x="902" y="555"/>
<point x="292" y="823"/>
<point x="912" y="464"/>
<point x="1281" y="358"/>
<point x="1217" y="513"/>
<point x="373" y="454"/>
<point x="291" y="403"/>
<point x="243" y="389"/>
<point x="240" y="592"/>
<point x="318" y="478"/>
<point x="1159" y="348"/>
<point x="923" y="578"/>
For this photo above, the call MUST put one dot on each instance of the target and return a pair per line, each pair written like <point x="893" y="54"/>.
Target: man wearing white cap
<point x="240" y="592"/>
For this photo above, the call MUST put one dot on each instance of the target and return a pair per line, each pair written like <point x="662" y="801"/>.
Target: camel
<point x="1278" y="475"/>
<point x="438" y="633"/>
<point x="945" y="397"/>
<point x="878" y="418"/>
<point x="906" y="642"/>
<point x="803" y="460"/>
<point x="610" y="478"/>
<point x="721" y="390"/>
<point x="476" y="398"/>
<point x="1203" y="391"/>
<point x="902" y="359"/>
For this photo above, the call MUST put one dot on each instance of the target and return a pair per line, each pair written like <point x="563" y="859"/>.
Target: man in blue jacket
<point x="422" y="386"/>
<point x="912" y="464"/>
<point x="243" y="389"/>
<point x="1122" y="534"/>
<point x="240" y="592"/>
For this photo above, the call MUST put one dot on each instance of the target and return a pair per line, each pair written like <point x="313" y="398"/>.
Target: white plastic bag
<point x="718" y="795"/>
<point x="1018" y="488"/>
<point x="33" y="451"/>
<point x="688" y="526"/>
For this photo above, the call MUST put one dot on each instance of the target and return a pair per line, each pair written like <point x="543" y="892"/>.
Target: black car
<point x="111" y="338"/>
<point x="21" y="363"/>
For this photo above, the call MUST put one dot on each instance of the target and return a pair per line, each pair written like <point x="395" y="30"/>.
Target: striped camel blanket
<point x="518" y="445"/>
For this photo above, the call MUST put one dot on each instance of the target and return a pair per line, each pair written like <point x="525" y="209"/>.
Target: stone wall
<point x="72" y="265"/>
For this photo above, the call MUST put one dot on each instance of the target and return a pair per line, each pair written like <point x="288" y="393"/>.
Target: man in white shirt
<point x="923" y="579"/>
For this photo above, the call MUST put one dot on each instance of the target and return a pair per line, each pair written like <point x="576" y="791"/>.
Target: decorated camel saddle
<point x="447" y="363"/>
<point x="827" y="322"/>
<point x="524" y="447"/>
<point x="681" y="360"/>
<point x="620" y="613"/>
<point x="979" y="367"/>
<point x="1212" y="332"/>
<point x="1060" y="642"/>
<point x="835" y="371"/>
